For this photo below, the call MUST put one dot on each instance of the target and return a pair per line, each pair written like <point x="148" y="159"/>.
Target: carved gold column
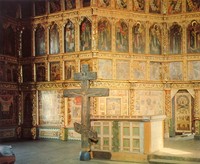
<point x="47" y="32"/>
<point x="184" y="38"/>
<point x="196" y="114"/>
<point x="62" y="119"/>
<point x="61" y="36"/>
<point x="33" y="40"/>
<point x="77" y="39"/>
<point x="147" y="51"/>
<point x="20" y="115"/>
<point x="168" y="111"/>
<point x="165" y="39"/>
<point x="132" y="100"/>
<point x="113" y="47"/>
<point x="34" y="116"/>
<point x="93" y="3"/>
<point x="130" y="27"/>
<point x="94" y="32"/>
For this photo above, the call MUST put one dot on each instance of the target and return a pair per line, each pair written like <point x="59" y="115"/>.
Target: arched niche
<point x="40" y="41"/>
<point x="54" y="45"/>
<point x="175" y="39"/>
<point x="70" y="4"/>
<point x="121" y="33"/>
<point x="9" y="41"/>
<point x="138" y="42"/>
<point x="85" y="35"/>
<point x="69" y="37"/>
<point x="193" y="37"/>
<point x="104" y="35"/>
<point x="26" y="42"/>
<point x="155" y="39"/>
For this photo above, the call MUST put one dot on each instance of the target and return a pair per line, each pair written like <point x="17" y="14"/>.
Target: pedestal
<point x="6" y="155"/>
<point x="85" y="156"/>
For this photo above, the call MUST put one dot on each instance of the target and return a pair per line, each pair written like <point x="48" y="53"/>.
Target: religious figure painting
<point x="55" y="6"/>
<point x="85" y="35"/>
<point x="55" y="71"/>
<point x="122" y="70"/>
<point x="155" y="6"/>
<point x="175" y="6"/>
<point x="104" y="35"/>
<point x="9" y="41"/>
<point x="121" y="4"/>
<point x="54" y="40"/>
<point x="7" y="108"/>
<point x="194" y="70"/>
<point x="2" y="71"/>
<point x="86" y="3"/>
<point x="175" y="39"/>
<point x="11" y="72"/>
<point x="89" y="62"/>
<point x="121" y="36"/>
<point x="139" y="5"/>
<point x="103" y="66"/>
<point x="192" y="5"/>
<point x="26" y="43"/>
<point x="70" y="4"/>
<point x="76" y="110"/>
<point x="40" y="72"/>
<point x="40" y="8"/>
<point x="113" y="106"/>
<point x="138" y="70"/>
<point x="27" y="73"/>
<point x="104" y="3"/>
<point x="148" y="102"/>
<point x="49" y="108"/>
<point x="193" y="37"/>
<point x="138" y="38"/>
<point x="155" y="39"/>
<point x="69" y="69"/>
<point x="27" y="109"/>
<point x="40" y="41"/>
<point x="69" y="37"/>
<point x="1" y="38"/>
<point x="176" y="71"/>
<point x="155" y="70"/>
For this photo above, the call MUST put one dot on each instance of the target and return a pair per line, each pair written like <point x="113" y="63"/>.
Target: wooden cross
<point x="85" y="92"/>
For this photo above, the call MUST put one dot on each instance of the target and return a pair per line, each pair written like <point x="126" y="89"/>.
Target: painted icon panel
<point x="85" y="35"/>
<point x="54" y="40"/>
<point x="121" y="37"/>
<point x="69" y="37"/>
<point x="40" y="41"/>
<point x="104" y="35"/>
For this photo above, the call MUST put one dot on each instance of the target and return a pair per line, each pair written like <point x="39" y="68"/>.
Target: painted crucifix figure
<point x="85" y="93"/>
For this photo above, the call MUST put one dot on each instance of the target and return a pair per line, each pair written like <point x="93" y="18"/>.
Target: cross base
<point x="85" y="156"/>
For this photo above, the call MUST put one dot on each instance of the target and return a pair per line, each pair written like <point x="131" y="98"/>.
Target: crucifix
<point x="87" y="135"/>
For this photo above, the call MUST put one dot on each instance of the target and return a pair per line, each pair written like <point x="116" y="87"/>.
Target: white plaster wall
<point x="156" y="135"/>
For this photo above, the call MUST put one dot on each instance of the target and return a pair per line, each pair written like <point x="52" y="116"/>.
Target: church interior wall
<point x="142" y="51"/>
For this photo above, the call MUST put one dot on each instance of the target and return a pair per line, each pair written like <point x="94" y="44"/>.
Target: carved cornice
<point x="28" y="87"/>
<point x="49" y="85"/>
<point x="8" y="86"/>
<point x="182" y="85"/>
<point x="147" y="85"/>
<point x="8" y="59"/>
<point x="71" y="84"/>
<point x="110" y="84"/>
